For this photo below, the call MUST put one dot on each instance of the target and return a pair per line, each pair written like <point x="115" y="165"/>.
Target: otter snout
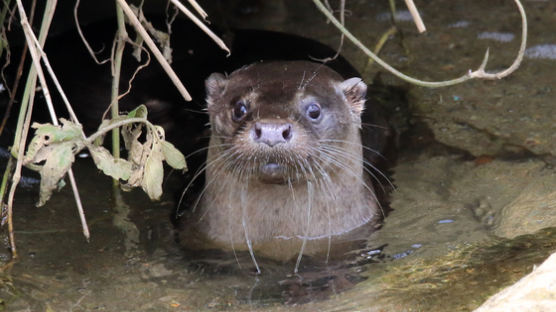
<point x="271" y="133"/>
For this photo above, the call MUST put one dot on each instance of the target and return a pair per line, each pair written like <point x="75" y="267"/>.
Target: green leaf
<point x="116" y="168"/>
<point x="139" y="112"/>
<point x="173" y="156"/>
<point x="53" y="134"/>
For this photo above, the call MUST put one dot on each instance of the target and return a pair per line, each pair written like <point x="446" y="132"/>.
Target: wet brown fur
<point x="322" y="192"/>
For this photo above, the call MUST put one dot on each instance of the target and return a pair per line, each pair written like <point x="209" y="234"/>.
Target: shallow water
<point x="464" y="156"/>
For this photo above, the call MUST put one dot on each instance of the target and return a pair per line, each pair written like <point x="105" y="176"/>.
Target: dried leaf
<point x="116" y="168"/>
<point x="153" y="173"/>
<point x="47" y="134"/>
<point x="173" y="156"/>
<point x="58" y="162"/>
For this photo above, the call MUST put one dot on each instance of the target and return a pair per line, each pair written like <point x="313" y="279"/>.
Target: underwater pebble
<point x="460" y="24"/>
<point x="496" y="36"/>
<point x="417" y="246"/>
<point x="445" y="221"/>
<point x="83" y="155"/>
<point x="402" y="16"/>
<point x="541" y="51"/>
<point x="402" y="254"/>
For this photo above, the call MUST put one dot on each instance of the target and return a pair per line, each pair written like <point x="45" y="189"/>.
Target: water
<point x="466" y="157"/>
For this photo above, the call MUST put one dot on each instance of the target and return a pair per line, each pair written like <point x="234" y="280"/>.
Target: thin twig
<point x="199" y="9"/>
<point x="152" y="46"/>
<point x="479" y="73"/>
<point x="77" y="198"/>
<point x="515" y="65"/>
<point x="342" y="36"/>
<point x="2" y="18"/>
<point x="416" y="16"/>
<point x="53" y="76"/>
<point x="203" y="27"/>
<point x="24" y="120"/>
<point x="137" y="70"/>
<point x="33" y="43"/>
<point x="30" y="84"/>
<point x="87" y="45"/>
<point x="19" y="71"/>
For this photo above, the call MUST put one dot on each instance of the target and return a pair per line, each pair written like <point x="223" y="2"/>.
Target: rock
<point x="534" y="292"/>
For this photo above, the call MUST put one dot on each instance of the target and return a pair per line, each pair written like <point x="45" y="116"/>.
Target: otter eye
<point x="239" y="111"/>
<point x="313" y="111"/>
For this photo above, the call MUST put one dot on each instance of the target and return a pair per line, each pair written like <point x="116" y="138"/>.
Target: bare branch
<point x="479" y="73"/>
<point x="199" y="9"/>
<point x="342" y="36"/>
<point x="152" y="46"/>
<point x="416" y="17"/>
<point x="203" y="27"/>
<point x="91" y="52"/>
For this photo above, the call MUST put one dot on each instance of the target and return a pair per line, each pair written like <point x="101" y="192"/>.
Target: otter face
<point x="269" y="119"/>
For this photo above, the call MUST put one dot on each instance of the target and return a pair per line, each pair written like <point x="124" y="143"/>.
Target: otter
<point x="285" y="170"/>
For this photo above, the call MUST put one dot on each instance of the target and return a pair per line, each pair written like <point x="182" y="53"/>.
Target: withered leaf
<point x="153" y="172"/>
<point x="116" y="168"/>
<point x="58" y="162"/>
<point x="173" y="156"/>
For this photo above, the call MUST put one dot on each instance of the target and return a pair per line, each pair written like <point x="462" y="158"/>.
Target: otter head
<point x="269" y="120"/>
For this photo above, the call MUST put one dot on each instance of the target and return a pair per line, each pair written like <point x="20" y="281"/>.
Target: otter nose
<point x="272" y="133"/>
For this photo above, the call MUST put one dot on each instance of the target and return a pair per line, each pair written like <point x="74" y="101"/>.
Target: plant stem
<point x="32" y="76"/>
<point x="24" y="120"/>
<point x="121" y="36"/>
<point x="116" y="125"/>
<point x="2" y="18"/>
<point x="5" y="178"/>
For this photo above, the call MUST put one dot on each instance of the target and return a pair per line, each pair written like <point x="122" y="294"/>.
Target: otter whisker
<point x="230" y="233"/>
<point x="206" y="148"/>
<point x="370" y="125"/>
<point x="367" y="163"/>
<point x="243" y="200"/>
<point x="326" y="182"/>
<point x="217" y="171"/>
<point x="199" y="172"/>
<point x="354" y="144"/>
<point x="348" y="156"/>
<point x="348" y="170"/>
<point x="309" y="204"/>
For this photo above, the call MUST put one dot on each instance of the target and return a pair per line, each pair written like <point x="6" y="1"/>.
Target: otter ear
<point x="355" y="91"/>
<point x="215" y="85"/>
